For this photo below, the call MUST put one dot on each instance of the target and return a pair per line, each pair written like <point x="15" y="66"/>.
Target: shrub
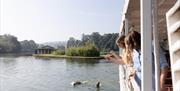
<point x="88" y="50"/>
<point x="58" y="52"/>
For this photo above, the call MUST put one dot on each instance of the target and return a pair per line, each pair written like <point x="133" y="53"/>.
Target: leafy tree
<point x="28" y="46"/>
<point x="9" y="44"/>
<point x="104" y="42"/>
<point x="61" y="47"/>
<point x="96" y="38"/>
<point x="72" y="42"/>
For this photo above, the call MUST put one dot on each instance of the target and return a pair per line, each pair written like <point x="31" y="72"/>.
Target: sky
<point x="57" y="20"/>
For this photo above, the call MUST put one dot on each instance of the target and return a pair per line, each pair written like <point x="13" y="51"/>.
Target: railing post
<point x="146" y="44"/>
<point x="156" y="44"/>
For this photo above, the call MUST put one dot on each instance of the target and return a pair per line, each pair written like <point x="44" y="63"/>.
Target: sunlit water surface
<point x="26" y="73"/>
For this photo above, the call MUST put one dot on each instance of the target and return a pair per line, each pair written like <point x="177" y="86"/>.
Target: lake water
<point x="26" y="73"/>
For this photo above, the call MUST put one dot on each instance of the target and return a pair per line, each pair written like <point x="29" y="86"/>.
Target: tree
<point x="28" y="46"/>
<point x="9" y="44"/>
<point x="72" y="42"/>
<point x="61" y="47"/>
<point x="96" y="37"/>
<point x="104" y="42"/>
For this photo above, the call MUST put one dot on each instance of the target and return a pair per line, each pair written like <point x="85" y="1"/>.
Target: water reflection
<point x="12" y="55"/>
<point x="98" y="89"/>
<point x="85" y="62"/>
<point x="26" y="73"/>
<point x="43" y="58"/>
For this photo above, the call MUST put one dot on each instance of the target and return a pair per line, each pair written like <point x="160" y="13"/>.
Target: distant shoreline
<point x="64" y="56"/>
<point x="16" y="54"/>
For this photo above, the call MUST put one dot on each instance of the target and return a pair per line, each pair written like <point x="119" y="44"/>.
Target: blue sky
<point x="57" y="20"/>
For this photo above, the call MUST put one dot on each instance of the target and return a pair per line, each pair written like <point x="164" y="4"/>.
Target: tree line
<point x="10" y="44"/>
<point x="105" y="42"/>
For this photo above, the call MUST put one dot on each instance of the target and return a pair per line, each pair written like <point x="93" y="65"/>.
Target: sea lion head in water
<point x="74" y="83"/>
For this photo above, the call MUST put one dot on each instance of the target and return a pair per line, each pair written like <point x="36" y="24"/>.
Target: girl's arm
<point x="115" y="55"/>
<point x="116" y="60"/>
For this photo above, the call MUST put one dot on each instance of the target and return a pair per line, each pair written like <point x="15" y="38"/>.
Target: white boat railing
<point x="173" y="25"/>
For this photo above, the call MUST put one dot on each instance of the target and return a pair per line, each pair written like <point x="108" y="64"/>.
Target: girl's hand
<point x="113" y="59"/>
<point x="115" y="55"/>
<point x="132" y="73"/>
<point x="108" y="57"/>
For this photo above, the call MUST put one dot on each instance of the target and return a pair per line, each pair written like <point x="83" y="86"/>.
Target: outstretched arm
<point x="113" y="59"/>
<point x="115" y="55"/>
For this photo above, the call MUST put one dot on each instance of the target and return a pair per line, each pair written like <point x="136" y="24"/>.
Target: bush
<point x="58" y="52"/>
<point x="88" y="50"/>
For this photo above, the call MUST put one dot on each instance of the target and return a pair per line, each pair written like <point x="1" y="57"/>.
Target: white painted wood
<point x="122" y="79"/>
<point x="176" y="46"/>
<point x="122" y="69"/>
<point x="146" y="44"/>
<point x="176" y="86"/>
<point x="173" y="19"/>
<point x="173" y="9"/>
<point x="174" y="27"/>
<point x="131" y="8"/>
<point x="122" y="24"/>
<point x="176" y="66"/>
<point x="126" y="26"/>
<point x="126" y="3"/>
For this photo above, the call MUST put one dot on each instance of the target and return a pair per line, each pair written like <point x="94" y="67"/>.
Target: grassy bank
<point x="64" y="56"/>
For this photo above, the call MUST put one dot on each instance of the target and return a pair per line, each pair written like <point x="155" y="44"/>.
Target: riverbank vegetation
<point x="10" y="44"/>
<point x="88" y="50"/>
<point x="99" y="44"/>
<point x="104" y="43"/>
<point x="58" y="52"/>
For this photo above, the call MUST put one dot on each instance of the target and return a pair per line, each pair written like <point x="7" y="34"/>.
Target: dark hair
<point x="132" y="41"/>
<point x="120" y="41"/>
<point x="135" y="38"/>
